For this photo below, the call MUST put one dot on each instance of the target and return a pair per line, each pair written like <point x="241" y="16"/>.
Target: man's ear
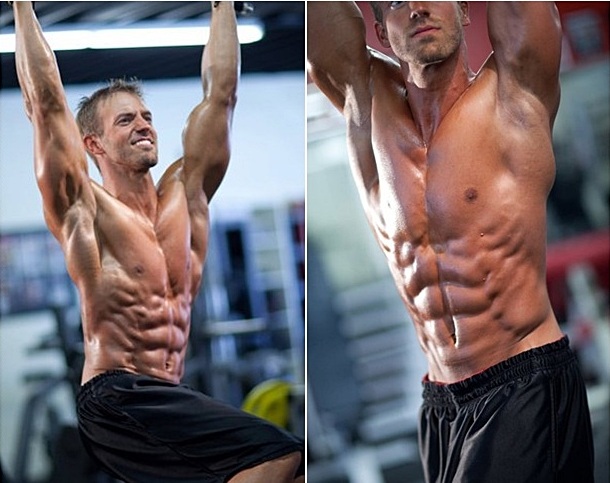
<point x="382" y="35"/>
<point x="464" y="10"/>
<point x="93" y="145"/>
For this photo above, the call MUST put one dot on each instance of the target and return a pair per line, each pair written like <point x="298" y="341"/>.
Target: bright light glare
<point x="152" y="35"/>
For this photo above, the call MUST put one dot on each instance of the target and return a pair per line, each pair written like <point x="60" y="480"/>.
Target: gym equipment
<point x="270" y="400"/>
<point x="70" y="461"/>
<point x="241" y="8"/>
<point x="3" y="477"/>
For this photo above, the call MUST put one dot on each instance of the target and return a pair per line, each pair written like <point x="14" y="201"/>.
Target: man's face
<point x="423" y="33"/>
<point x="127" y="134"/>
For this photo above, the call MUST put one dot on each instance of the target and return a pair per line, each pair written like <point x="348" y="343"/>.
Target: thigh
<point x="176" y="431"/>
<point x="535" y="429"/>
<point x="206" y="430"/>
<point x="434" y="433"/>
<point x="508" y="436"/>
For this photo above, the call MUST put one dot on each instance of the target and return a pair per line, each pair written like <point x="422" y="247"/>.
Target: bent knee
<point x="287" y="465"/>
<point x="282" y="469"/>
<point x="291" y="459"/>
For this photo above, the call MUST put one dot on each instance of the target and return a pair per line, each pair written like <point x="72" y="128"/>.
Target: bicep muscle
<point x="61" y="165"/>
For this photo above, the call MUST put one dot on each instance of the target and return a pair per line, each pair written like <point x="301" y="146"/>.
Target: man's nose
<point x="143" y="124"/>
<point x="418" y="9"/>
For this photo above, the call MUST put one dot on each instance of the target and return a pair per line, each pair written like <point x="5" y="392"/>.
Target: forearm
<point x="220" y="63"/>
<point x="337" y="55"/>
<point x="36" y="64"/>
<point x="333" y="28"/>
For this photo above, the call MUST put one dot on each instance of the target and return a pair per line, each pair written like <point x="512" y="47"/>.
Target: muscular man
<point x="453" y="169"/>
<point x="135" y="252"/>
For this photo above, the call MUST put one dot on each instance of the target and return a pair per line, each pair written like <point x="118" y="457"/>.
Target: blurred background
<point x="364" y="363"/>
<point x="247" y="337"/>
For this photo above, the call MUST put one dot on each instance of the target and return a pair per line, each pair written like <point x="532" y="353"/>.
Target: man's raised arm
<point x="526" y="39"/>
<point x="337" y="56"/>
<point x="60" y="157"/>
<point x="339" y="63"/>
<point x="206" y="136"/>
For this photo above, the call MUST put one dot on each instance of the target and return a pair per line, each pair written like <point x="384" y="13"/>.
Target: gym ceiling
<point x="281" y="49"/>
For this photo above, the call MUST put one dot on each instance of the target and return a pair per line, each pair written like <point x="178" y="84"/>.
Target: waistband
<point x="89" y="387"/>
<point x="549" y="356"/>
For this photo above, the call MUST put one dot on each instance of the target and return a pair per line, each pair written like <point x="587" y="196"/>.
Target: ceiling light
<point x="144" y="34"/>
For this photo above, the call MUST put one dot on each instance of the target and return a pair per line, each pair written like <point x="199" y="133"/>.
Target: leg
<point x="280" y="470"/>
<point x="161" y="432"/>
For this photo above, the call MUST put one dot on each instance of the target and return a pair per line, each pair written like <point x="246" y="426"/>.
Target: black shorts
<point x="523" y="420"/>
<point x="146" y="430"/>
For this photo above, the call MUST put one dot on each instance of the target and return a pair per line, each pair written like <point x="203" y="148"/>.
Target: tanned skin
<point x="453" y="168"/>
<point x="134" y="250"/>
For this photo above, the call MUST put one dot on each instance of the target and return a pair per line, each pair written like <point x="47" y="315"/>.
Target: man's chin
<point x="150" y="161"/>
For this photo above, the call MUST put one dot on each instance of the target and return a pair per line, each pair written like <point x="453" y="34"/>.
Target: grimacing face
<point x="423" y="33"/>
<point x="127" y="134"/>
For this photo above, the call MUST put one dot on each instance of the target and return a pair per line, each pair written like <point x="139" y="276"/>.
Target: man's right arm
<point x="339" y="63"/>
<point x="337" y="55"/>
<point x="60" y="157"/>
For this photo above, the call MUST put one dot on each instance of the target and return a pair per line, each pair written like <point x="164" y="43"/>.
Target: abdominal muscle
<point x="474" y="303"/>
<point x="127" y="332"/>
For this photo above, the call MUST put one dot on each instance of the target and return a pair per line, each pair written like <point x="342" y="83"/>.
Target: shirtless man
<point x="136" y="253"/>
<point x="453" y="170"/>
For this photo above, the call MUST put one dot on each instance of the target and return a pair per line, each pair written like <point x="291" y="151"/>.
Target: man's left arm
<point x="206" y="135"/>
<point x="526" y="39"/>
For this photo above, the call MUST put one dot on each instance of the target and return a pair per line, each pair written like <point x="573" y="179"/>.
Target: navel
<point x="471" y="195"/>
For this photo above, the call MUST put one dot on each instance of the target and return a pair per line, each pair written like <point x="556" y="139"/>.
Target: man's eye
<point x="395" y="4"/>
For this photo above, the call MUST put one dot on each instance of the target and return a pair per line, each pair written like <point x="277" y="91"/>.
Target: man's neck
<point x="134" y="189"/>
<point x="433" y="89"/>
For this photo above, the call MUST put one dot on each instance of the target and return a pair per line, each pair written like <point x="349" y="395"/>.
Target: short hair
<point x="377" y="11"/>
<point x="86" y="116"/>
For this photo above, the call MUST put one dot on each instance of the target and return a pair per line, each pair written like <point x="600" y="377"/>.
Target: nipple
<point x="470" y="195"/>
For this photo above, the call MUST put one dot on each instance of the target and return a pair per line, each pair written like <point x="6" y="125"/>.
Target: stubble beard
<point x="429" y="50"/>
<point x="429" y="54"/>
<point x="149" y="160"/>
<point x="139" y="161"/>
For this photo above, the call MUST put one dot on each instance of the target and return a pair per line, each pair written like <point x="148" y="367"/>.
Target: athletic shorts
<point x="523" y="420"/>
<point x="145" y="430"/>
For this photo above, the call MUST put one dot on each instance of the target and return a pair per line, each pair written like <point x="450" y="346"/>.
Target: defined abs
<point x="419" y="281"/>
<point x="440" y="288"/>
